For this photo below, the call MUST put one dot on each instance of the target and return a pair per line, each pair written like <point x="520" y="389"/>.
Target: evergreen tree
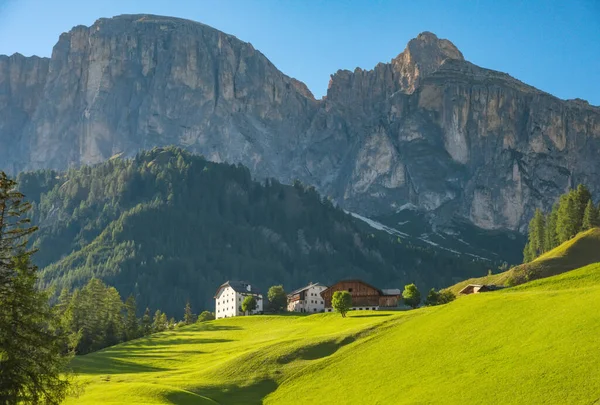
<point x="32" y="361"/>
<point x="551" y="238"/>
<point x="146" y="323"/>
<point x="590" y="216"/>
<point x="432" y="298"/>
<point x="132" y="329"/>
<point x="159" y="322"/>
<point x="582" y="196"/>
<point x="537" y="234"/>
<point x="566" y="221"/>
<point x="188" y="315"/>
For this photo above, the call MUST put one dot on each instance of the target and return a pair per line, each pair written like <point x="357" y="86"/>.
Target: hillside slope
<point x="536" y="343"/>
<point x="169" y="226"/>
<point x="580" y="251"/>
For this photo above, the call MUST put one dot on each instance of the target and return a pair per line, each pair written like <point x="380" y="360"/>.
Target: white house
<point x="307" y="299"/>
<point x="229" y="298"/>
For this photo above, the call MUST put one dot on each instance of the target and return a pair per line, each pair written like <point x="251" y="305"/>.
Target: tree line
<point x="168" y="226"/>
<point x="573" y="213"/>
<point x="95" y="317"/>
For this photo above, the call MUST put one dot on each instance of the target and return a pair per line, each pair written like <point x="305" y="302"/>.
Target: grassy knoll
<point x="535" y="343"/>
<point x="580" y="251"/>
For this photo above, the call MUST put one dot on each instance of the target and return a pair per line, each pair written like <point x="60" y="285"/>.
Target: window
<point x="321" y="302"/>
<point x="315" y="310"/>
<point x="349" y="289"/>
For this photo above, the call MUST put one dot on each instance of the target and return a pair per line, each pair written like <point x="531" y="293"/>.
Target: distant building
<point x="307" y="299"/>
<point x="479" y="288"/>
<point x="229" y="298"/>
<point x="364" y="296"/>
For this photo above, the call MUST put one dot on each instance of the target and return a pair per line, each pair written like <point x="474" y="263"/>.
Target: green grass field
<point x="532" y="344"/>
<point x="580" y="251"/>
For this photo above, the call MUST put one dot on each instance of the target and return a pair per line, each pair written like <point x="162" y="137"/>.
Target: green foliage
<point x="439" y="298"/>
<point x="411" y="295"/>
<point x="33" y="345"/>
<point x="159" y="322"/>
<point x="249" y="304"/>
<point x="590" y="216"/>
<point x="188" y="315"/>
<point x="341" y="302"/>
<point x="277" y="298"/>
<point x="575" y="212"/>
<point x="206" y="316"/>
<point x="168" y="225"/>
<point x="478" y="340"/>
<point x="146" y="323"/>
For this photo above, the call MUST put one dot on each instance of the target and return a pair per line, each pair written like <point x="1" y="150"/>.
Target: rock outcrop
<point x="429" y="128"/>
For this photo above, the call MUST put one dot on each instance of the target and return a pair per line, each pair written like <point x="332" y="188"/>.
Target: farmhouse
<point x="229" y="298"/>
<point x="479" y="288"/>
<point x="364" y="296"/>
<point x="307" y="299"/>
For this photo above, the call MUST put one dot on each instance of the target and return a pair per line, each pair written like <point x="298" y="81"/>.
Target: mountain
<point x="461" y="143"/>
<point x="532" y="344"/>
<point x="168" y="227"/>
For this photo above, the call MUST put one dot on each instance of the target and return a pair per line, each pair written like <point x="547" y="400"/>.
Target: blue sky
<point x="553" y="45"/>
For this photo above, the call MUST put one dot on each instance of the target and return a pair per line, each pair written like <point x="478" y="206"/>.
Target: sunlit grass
<point x="536" y="343"/>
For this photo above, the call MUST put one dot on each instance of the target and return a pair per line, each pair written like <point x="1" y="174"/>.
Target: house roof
<point x="391" y="291"/>
<point x="299" y="290"/>
<point x="238" y="286"/>
<point x="486" y="287"/>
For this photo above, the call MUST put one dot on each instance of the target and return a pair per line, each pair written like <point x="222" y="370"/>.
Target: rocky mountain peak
<point x="422" y="56"/>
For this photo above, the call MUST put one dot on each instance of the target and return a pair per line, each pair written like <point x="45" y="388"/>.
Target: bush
<point x="206" y="316"/>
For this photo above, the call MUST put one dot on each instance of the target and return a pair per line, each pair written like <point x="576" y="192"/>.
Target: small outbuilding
<point x="479" y="288"/>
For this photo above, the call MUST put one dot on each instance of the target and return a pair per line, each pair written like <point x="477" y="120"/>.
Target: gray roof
<point x="238" y="286"/>
<point x="299" y="290"/>
<point x="390" y="291"/>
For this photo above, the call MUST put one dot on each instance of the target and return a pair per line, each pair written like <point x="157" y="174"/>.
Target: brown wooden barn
<point x="364" y="295"/>
<point x="479" y="288"/>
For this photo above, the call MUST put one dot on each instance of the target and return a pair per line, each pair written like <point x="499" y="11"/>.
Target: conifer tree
<point x="590" y="216"/>
<point x="131" y="322"/>
<point x="551" y="238"/>
<point x="566" y="221"/>
<point x="159" y="321"/>
<point x="32" y="361"/>
<point x="188" y="315"/>
<point x="582" y="197"/>
<point x="146" y="323"/>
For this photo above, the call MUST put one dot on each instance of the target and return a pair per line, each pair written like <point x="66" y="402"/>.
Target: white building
<point x="307" y="299"/>
<point x="229" y="298"/>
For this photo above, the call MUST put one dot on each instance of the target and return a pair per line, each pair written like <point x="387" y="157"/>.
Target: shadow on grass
<point x="234" y="394"/>
<point x="317" y="351"/>
<point x="109" y="365"/>
<point x="210" y="326"/>
<point x="363" y="315"/>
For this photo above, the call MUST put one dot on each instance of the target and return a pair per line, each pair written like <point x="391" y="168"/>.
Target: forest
<point x="574" y="212"/>
<point x="169" y="227"/>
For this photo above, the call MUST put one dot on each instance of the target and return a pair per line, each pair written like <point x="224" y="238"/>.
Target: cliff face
<point x="427" y="128"/>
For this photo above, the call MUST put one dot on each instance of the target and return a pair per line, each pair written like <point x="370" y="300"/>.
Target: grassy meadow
<point x="535" y="343"/>
<point x="580" y="251"/>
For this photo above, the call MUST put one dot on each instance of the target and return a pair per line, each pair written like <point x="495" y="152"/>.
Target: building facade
<point x="229" y="298"/>
<point x="364" y="295"/>
<point x="307" y="299"/>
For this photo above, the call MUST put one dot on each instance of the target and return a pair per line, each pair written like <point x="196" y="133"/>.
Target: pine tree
<point x="590" y="216"/>
<point x="146" y="323"/>
<point x="537" y="235"/>
<point x="582" y="197"/>
<point x="566" y="222"/>
<point x="551" y="238"/>
<point x="32" y="358"/>
<point x="188" y="315"/>
<point x="132" y="330"/>
<point x="159" y="321"/>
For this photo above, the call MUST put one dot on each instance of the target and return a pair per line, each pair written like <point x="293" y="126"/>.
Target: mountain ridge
<point x="428" y="128"/>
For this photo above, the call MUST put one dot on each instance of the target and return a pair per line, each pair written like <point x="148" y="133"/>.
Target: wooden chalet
<point x="364" y="295"/>
<point x="479" y="288"/>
